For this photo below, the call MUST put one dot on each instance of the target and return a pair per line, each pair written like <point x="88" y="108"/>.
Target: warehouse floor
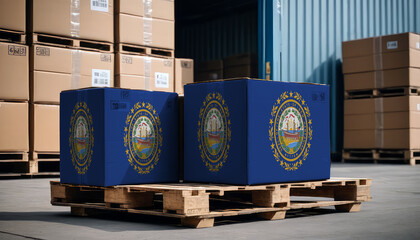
<point x="394" y="213"/>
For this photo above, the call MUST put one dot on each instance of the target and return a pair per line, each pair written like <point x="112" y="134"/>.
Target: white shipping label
<point x="418" y="106"/>
<point x="99" y="5"/>
<point x="417" y="44"/>
<point x="161" y="80"/>
<point x="101" y="78"/>
<point x="392" y="45"/>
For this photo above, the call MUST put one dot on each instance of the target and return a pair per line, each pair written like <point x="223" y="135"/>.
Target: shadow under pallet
<point x="197" y="205"/>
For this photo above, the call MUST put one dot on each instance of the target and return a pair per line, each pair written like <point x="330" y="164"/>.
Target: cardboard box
<point x="14" y="127"/>
<point x="184" y="73"/>
<point x="382" y="44"/>
<point x="210" y="70"/>
<point x="144" y="72"/>
<point x="162" y="9"/>
<point x="151" y="32"/>
<point x="56" y="69"/>
<point x="382" y="139"/>
<point x="45" y="130"/>
<point x="387" y="104"/>
<point x="382" y="120"/>
<point x="13" y="15"/>
<point x="118" y="136"/>
<point x="393" y="60"/>
<point x="244" y="65"/>
<point x="14" y="72"/>
<point x="401" y="77"/>
<point x="235" y="132"/>
<point x="95" y="20"/>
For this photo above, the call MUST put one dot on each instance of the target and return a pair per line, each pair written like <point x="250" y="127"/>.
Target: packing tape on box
<point x="147" y="31"/>
<point x="76" y="67"/>
<point x="379" y="79"/>
<point x="147" y="72"/>
<point x="147" y="8"/>
<point x="379" y="122"/>
<point x="377" y="45"/>
<point x="378" y="61"/>
<point x="75" y="18"/>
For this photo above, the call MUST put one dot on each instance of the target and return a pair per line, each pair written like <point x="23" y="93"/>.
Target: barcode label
<point x="161" y="80"/>
<point x="417" y="44"/>
<point x="392" y="45"/>
<point x="101" y="78"/>
<point x="418" y="106"/>
<point x="99" y="5"/>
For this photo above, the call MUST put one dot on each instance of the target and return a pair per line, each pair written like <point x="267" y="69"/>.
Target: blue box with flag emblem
<point x="117" y="136"/>
<point x="246" y="131"/>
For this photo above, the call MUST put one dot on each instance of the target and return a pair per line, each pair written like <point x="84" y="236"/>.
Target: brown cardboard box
<point x="361" y="47"/>
<point x="144" y="72"/>
<point x="13" y="15"/>
<point x="384" y="120"/>
<point x="93" y="22"/>
<point x="162" y="9"/>
<point x="14" y="72"/>
<point x="56" y="69"/>
<point x="383" y="44"/>
<point x="14" y="126"/>
<point x="45" y="128"/>
<point x="145" y="31"/>
<point x="244" y="65"/>
<point x="400" y="42"/>
<point x="184" y="73"/>
<point x="388" y="104"/>
<point x="392" y="60"/>
<point x="387" y="139"/>
<point x="210" y="70"/>
<point x="401" y="77"/>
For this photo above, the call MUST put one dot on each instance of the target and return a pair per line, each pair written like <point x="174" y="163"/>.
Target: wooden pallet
<point x="197" y="205"/>
<point x="60" y="41"/>
<point x="15" y="156"/>
<point x="39" y="164"/>
<point x="383" y="92"/>
<point x="12" y="36"/>
<point x="381" y="156"/>
<point x="144" y="50"/>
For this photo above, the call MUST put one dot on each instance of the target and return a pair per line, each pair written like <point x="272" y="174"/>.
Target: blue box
<point x="248" y="131"/>
<point x="118" y="136"/>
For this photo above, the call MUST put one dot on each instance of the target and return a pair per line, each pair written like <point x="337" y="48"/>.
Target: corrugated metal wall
<point x="220" y="37"/>
<point x="307" y="37"/>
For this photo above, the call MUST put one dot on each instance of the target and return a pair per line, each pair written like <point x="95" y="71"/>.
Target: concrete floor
<point x="394" y="213"/>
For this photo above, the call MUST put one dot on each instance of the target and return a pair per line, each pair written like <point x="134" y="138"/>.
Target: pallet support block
<point x="84" y="212"/>
<point x="273" y="215"/>
<point x="197" y="222"/>
<point x="275" y="196"/>
<point x="187" y="202"/>
<point x="347" y="193"/>
<point x="123" y="198"/>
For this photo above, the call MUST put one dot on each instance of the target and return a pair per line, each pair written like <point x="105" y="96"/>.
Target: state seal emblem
<point x="143" y="137"/>
<point x="81" y="137"/>
<point x="290" y="130"/>
<point x="214" y="134"/>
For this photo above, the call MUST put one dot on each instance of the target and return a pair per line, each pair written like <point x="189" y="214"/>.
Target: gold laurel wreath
<point x="131" y="160"/>
<point x="81" y="170"/>
<point x="271" y="131"/>
<point x="201" y="147"/>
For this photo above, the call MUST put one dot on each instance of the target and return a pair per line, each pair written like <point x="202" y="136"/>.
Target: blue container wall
<point x="302" y="40"/>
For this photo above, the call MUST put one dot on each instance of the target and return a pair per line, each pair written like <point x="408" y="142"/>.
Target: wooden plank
<point x="75" y="43"/>
<point x="145" y="50"/>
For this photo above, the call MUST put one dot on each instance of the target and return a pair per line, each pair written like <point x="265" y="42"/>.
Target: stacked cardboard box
<point x="244" y="65"/>
<point x="210" y="70"/>
<point x="381" y="77"/>
<point x="14" y="88"/>
<point x="71" y="46"/>
<point x="145" y="35"/>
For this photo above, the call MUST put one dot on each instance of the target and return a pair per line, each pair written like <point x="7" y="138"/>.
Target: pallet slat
<point x="382" y="92"/>
<point x="193" y="203"/>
